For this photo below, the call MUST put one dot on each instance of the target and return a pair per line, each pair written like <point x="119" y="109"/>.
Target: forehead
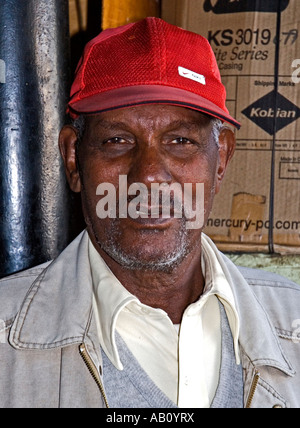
<point x="154" y="116"/>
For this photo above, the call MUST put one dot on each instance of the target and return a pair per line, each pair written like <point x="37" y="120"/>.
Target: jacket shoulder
<point x="14" y="288"/>
<point x="260" y="277"/>
<point x="279" y="296"/>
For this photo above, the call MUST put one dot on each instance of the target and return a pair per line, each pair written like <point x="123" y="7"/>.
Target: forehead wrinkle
<point x="162" y="119"/>
<point x="154" y="124"/>
<point x="110" y="124"/>
<point x="186" y="124"/>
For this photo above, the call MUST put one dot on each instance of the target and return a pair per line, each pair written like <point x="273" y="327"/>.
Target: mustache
<point x="163" y="203"/>
<point x="160" y="201"/>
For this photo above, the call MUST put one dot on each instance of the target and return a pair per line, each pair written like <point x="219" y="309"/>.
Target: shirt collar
<point x="216" y="283"/>
<point x="111" y="297"/>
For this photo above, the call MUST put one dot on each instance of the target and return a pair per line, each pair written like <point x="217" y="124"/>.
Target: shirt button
<point x="277" y="406"/>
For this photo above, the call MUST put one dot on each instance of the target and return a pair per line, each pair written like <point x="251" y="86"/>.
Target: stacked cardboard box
<point x="257" y="46"/>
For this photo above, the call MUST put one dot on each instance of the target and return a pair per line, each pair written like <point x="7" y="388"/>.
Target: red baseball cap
<point x="148" y="62"/>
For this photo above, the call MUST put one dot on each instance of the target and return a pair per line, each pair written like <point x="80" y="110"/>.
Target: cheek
<point x="205" y="172"/>
<point x="94" y="171"/>
<point x="91" y="177"/>
<point x="201" y="170"/>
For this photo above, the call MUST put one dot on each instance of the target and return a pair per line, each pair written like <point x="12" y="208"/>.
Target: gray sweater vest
<point x="133" y="388"/>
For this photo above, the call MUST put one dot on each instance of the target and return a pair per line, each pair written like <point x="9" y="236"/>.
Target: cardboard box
<point x="257" y="46"/>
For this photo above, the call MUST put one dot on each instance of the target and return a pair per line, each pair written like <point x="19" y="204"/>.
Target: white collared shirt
<point x="183" y="361"/>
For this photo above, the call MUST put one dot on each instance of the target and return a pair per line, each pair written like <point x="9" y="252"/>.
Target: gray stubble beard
<point x="166" y="262"/>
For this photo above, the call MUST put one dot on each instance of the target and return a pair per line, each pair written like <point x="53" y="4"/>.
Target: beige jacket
<point x="50" y="354"/>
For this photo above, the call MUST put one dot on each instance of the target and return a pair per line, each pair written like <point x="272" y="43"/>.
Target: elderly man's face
<point x="146" y="144"/>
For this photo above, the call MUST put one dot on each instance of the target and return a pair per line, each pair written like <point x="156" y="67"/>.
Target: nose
<point x="150" y="166"/>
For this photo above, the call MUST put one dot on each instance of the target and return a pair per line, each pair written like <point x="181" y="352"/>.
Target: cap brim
<point x="147" y="94"/>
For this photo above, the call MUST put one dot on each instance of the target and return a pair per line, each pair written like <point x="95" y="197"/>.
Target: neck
<point x="171" y="291"/>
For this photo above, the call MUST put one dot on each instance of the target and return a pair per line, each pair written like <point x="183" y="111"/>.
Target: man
<point x="142" y="310"/>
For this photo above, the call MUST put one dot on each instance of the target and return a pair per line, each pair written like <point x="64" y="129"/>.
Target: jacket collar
<point x="258" y="338"/>
<point x="58" y="308"/>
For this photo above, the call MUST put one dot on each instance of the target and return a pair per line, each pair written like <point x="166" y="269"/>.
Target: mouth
<point x="157" y="211"/>
<point x="151" y="223"/>
<point x="153" y="217"/>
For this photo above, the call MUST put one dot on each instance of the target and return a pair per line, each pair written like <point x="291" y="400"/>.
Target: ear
<point x="226" y="150"/>
<point x="67" y="146"/>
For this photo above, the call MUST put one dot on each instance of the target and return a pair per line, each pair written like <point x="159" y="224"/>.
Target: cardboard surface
<point x="258" y="208"/>
<point x="77" y="16"/>
<point x="120" y="12"/>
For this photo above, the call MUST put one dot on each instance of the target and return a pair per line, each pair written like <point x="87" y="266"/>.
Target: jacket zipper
<point x="93" y="370"/>
<point x="252" y="389"/>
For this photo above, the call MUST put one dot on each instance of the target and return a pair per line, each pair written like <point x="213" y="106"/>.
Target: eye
<point x="181" y="140"/>
<point x="117" y="145"/>
<point x="115" y="140"/>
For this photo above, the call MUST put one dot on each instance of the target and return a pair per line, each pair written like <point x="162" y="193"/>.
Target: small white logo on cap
<point x="188" y="74"/>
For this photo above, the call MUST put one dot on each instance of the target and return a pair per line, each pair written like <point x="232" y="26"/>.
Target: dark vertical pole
<point x="34" y="79"/>
<point x="275" y="104"/>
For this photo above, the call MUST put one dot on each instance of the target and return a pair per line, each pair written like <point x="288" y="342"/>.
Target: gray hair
<point x="217" y="126"/>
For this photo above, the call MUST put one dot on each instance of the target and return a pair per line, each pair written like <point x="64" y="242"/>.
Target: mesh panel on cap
<point x="147" y="53"/>
<point x="129" y="61"/>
